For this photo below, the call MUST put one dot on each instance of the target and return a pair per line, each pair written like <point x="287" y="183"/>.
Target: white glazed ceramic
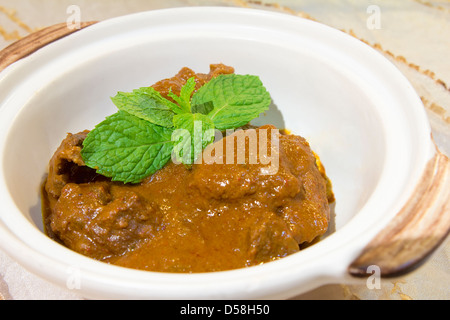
<point x="358" y="112"/>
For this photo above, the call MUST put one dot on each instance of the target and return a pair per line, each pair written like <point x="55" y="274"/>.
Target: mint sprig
<point x="148" y="129"/>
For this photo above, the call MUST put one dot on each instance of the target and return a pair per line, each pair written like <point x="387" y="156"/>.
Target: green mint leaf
<point x="148" y="129"/>
<point x="203" y="108"/>
<point x="237" y="99"/>
<point x="193" y="132"/>
<point x="184" y="100"/>
<point x="148" y="104"/>
<point x="127" y="148"/>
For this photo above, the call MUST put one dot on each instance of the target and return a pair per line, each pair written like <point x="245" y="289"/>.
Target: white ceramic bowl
<point x="359" y="113"/>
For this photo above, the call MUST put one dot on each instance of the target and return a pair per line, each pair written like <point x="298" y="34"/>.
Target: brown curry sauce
<point x="207" y="217"/>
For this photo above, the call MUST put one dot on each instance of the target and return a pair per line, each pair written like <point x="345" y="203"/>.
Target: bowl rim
<point x="241" y="283"/>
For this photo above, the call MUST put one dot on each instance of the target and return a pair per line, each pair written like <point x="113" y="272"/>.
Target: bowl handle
<point x="416" y="231"/>
<point x="34" y="41"/>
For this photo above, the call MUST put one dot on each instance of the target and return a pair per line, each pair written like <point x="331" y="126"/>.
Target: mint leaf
<point x="184" y="100"/>
<point x="203" y="108"/>
<point x="127" y="148"/>
<point x="237" y="99"/>
<point x="193" y="132"/>
<point x="148" y="104"/>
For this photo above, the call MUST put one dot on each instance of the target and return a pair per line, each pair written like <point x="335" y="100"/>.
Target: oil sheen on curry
<point x="199" y="218"/>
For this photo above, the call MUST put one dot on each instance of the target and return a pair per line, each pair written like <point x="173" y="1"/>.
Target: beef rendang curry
<point x="198" y="218"/>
